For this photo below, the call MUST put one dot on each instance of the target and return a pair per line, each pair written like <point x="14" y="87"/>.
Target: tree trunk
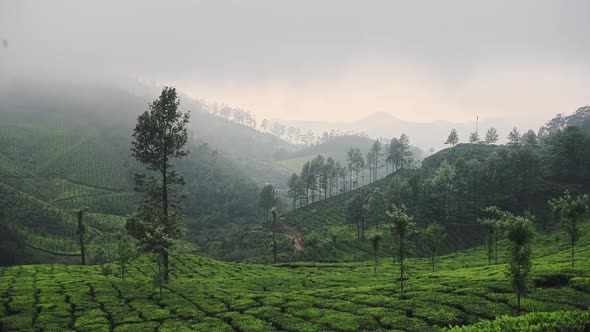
<point x="160" y="275"/>
<point x="433" y="257"/>
<point x="517" y="303"/>
<point x="363" y="229"/>
<point x="490" y="249"/>
<point x="165" y="261"/>
<point x="573" y="246"/>
<point x="496" y="250"/>
<point x="375" y="262"/>
<point x="274" y="240"/>
<point x="82" y="249"/>
<point x="401" y="266"/>
<point x="165" y="212"/>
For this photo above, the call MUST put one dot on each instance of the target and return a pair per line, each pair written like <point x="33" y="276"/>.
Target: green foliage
<point x="453" y="138"/>
<point x="159" y="136"/>
<point x="520" y="233"/>
<point x="205" y="294"/>
<point x="267" y="200"/>
<point x="433" y="237"/>
<point x="536" y="321"/>
<point x="401" y="226"/>
<point x="568" y="212"/>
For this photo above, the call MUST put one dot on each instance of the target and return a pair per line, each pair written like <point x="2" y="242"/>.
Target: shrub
<point x="543" y="321"/>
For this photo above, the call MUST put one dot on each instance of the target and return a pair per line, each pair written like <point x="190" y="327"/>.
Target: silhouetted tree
<point x="514" y="136"/>
<point x="453" y="138"/>
<point x="492" y="136"/>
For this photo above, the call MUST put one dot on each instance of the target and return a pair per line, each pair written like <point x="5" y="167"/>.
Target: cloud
<point x="331" y="59"/>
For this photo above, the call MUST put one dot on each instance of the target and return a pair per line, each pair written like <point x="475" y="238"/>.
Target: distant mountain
<point x="423" y="135"/>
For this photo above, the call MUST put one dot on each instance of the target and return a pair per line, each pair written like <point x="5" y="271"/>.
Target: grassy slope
<point x="210" y="295"/>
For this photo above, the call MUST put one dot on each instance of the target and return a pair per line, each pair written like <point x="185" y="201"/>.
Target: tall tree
<point x="572" y="211"/>
<point x="307" y="178"/>
<point x="125" y="251"/>
<point x="330" y="172"/>
<point x="404" y="149"/>
<point x="473" y="137"/>
<point x="375" y="154"/>
<point x="275" y="215"/>
<point x="377" y="207"/>
<point x="375" y="241"/>
<point x="350" y="162"/>
<point x="514" y="136"/>
<point x="293" y="188"/>
<point x="495" y="223"/>
<point x="439" y="191"/>
<point x="355" y="213"/>
<point x="492" y="136"/>
<point x="433" y="237"/>
<point x="520" y="233"/>
<point x="342" y="176"/>
<point x="529" y="138"/>
<point x="492" y="226"/>
<point x="160" y="136"/>
<point x="453" y="138"/>
<point x="267" y="199"/>
<point x="359" y="164"/>
<point x="402" y="226"/>
<point x="316" y="170"/>
<point x="81" y="231"/>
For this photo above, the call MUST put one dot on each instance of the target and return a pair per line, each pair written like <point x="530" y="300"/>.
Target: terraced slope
<point x="51" y="165"/>
<point x="209" y="295"/>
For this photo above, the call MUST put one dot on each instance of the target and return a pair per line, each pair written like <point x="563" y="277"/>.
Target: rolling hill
<point x="205" y="294"/>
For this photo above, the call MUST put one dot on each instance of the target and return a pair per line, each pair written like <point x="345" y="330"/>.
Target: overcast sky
<point x="321" y="60"/>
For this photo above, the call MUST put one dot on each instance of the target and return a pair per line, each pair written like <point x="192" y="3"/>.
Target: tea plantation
<point x="209" y="295"/>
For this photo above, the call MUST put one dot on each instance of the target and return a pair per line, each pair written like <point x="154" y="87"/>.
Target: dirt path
<point x="291" y="231"/>
<point x="294" y="233"/>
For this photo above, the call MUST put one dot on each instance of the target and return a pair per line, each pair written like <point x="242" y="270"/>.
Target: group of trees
<point x="298" y="136"/>
<point x="328" y="176"/>
<point x="320" y="175"/>
<point x="290" y="134"/>
<point x="519" y="231"/>
<point x="499" y="187"/>
<point x="236" y="115"/>
<point x="492" y="137"/>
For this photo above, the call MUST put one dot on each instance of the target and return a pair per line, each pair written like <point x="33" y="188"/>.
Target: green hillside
<point x="205" y="294"/>
<point x="327" y="218"/>
<point x="53" y="163"/>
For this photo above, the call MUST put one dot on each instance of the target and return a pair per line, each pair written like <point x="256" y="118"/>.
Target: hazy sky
<point x="323" y="60"/>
